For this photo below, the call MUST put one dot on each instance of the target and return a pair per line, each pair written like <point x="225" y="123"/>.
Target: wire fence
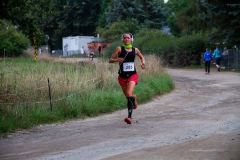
<point x="231" y="60"/>
<point x="48" y="93"/>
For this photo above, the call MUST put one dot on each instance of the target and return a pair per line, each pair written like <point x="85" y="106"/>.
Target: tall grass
<point x="78" y="90"/>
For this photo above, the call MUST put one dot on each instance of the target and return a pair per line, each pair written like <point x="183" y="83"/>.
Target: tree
<point x="12" y="42"/>
<point x="24" y="14"/>
<point x="155" y="13"/>
<point x="71" y="18"/>
<point x="116" y="29"/>
<point x="147" y="13"/>
<point x="184" y="17"/>
<point x="224" y="19"/>
<point x="55" y="18"/>
<point x="121" y="10"/>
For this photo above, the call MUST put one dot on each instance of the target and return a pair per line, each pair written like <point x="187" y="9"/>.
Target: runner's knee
<point x="129" y="94"/>
<point x="131" y="101"/>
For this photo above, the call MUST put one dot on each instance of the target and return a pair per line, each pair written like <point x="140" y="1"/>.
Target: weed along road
<point x="199" y="120"/>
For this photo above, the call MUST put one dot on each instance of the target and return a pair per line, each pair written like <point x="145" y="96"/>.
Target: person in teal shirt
<point x="217" y="56"/>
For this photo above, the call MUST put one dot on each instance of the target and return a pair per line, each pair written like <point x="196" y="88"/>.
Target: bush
<point x="174" y="51"/>
<point x="148" y="41"/>
<point x="12" y="41"/>
<point x="116" y="29"/>
<point x="110" y="49"/>
<point x="156" y="42"/>
<point x="190" y="48"/>
<point x="78" y="90"/>
<point x="183" y="51"/>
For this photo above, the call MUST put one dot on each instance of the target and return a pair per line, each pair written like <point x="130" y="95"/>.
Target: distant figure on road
<point x="225" y="56"/>
<point x="99" y="50"/>
<point x="82" y="50"/>
<point x="91" y="55"/>
<point x="207" y="58"/>
<point x="217" y="56"/>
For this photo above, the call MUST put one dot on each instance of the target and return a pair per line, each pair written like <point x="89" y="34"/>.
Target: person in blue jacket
<point x="217" y="56"/>
<point x="207" y="57"/>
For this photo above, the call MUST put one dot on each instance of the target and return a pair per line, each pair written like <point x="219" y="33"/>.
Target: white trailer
<point x="75" y="44"/>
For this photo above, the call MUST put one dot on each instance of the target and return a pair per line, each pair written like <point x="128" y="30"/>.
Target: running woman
<point x="128" y="77"/>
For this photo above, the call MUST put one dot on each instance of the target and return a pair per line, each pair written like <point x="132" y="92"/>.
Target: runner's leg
<point x="206" y="65"/>
<point x="135" y="102"/>
<point x="131" y="99"/>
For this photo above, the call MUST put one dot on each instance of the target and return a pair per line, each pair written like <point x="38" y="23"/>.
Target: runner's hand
<point x="120" y="59"/>
<point x="143" y="66"/>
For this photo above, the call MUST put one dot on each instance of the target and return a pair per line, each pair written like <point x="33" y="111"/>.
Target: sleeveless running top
<point x="127" y="67"/>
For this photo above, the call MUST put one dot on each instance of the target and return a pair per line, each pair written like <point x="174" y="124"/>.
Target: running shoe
<point x="128" y="120"/>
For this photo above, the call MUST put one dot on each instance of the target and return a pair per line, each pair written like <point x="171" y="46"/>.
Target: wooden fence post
<point x="49" y="94"/>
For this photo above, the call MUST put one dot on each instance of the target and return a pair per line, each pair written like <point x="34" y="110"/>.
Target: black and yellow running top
<point x="127" y="67"/>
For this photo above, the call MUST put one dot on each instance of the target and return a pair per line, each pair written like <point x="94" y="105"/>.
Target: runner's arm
<point x="139" y="54"/>
<point x="114" y="57"/>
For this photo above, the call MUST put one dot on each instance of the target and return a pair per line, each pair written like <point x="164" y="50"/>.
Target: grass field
<point x="77" y="90"/>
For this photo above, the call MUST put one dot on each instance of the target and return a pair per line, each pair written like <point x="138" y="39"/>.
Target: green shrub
<point x="183" y="51"/>
<point x="116" y="29"/>
<point x="78" y="90"/>
<point x="190" y="48"/>
<point x="12" y="42"/>
<point x="148" y="41"/>
<point x="110" y="49"/>
<point x="174" y="51"/>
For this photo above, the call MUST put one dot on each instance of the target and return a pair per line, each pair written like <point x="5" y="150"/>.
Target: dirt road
<point x="199" y="120"/>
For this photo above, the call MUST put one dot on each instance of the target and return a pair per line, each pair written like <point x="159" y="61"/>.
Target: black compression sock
<point x="130" y="106"/>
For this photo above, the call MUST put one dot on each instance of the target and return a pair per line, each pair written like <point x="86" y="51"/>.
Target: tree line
<point x="47" y="21"/>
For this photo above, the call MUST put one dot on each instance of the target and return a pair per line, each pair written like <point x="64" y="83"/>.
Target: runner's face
<point x="127" y="39"/>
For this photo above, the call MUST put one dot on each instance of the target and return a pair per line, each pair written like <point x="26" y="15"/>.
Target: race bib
<point x="128" y="66"/>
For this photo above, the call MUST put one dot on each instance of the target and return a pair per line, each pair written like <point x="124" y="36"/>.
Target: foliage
<point x="25" y="14"/>
<point x="50" y="18"/>
<point x="129" y="16"/>
<point x="151" y="14"/>
<point x="104" y="8"/>
<point x="224" y="17"/>
<point x="121" y="10"/>
<point x="155" y="13"/>
<point x="219" y="18"/>
<point x="110" y="49"/>
<point x="184" y="17"/>
<point x="78" y="90"/>
<point x="47" y="21"/>
<point x="12" y="42"/>
<point x="182" y="51"/>
<point x="151" y="41"/>
<point x="73" y="18"/>
<point x="189" y="49"/>
<point x="116" y="29"/>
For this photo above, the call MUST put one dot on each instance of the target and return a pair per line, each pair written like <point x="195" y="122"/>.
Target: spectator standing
<point x="99" y="50"/>
<point x="82" y="50"/>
